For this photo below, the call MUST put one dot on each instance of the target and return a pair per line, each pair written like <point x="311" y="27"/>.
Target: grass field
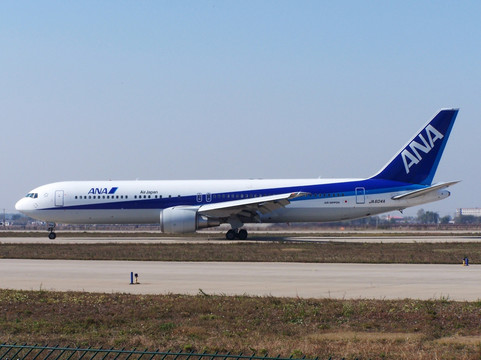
<point x="328" y="252"/>
<point x="367" y="329"/>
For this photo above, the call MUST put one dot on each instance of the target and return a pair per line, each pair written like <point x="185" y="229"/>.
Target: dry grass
<point x="329" y="252"/>
<point x="372" y="329"/>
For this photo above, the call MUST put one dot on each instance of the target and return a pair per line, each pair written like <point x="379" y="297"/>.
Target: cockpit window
<point x="32" y="195"/>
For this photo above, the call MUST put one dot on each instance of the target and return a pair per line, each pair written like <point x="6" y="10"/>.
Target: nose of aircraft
<point x="21" y="205"/>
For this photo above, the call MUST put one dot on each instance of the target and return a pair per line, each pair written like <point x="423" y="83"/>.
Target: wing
<point x="416" y="193"/>
<point x="248" y="207"/>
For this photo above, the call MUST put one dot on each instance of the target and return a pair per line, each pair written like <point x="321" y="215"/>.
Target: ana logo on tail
<point x="414" y="157"/>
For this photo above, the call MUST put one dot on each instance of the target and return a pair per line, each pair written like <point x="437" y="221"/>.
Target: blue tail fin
<point x="417" y="161"/>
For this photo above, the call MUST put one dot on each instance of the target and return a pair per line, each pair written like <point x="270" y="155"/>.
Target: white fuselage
<point x="138" y="202"/>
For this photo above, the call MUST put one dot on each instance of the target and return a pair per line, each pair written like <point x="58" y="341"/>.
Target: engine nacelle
<point x="184" y="219"/>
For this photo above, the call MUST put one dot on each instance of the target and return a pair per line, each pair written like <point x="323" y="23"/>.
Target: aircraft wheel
<point x="242" y="234"/>
<point x="52" y="236"/>
<point x="230" y="235"/>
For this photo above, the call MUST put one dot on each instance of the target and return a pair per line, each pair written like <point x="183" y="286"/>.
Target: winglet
<point x="417" y="161"/>
<point x="298" y="194"/>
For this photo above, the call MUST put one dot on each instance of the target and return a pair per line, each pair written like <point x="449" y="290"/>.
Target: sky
<point x="152" y="90"/>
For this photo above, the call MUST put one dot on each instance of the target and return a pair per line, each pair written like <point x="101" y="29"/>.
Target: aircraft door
<point x="58" y="197"/>
<point x="208" y="197"/>
<point x="360" y="195"/>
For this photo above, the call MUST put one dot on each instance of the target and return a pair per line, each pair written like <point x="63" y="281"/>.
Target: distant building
<point x="393" y="218"/>
<point x="468" y="212"/>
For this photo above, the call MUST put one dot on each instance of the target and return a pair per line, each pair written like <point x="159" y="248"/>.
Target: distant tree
<point x="467" y="219"/>
<point x="433" y="217"/>
<point x="445" y="219"/>
<point x="19" y="219"/>
<point x="427" y="217"/>
<point x="421" y="213"/>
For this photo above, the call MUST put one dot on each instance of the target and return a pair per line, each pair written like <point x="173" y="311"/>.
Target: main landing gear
<point x="51" y="228"/>
<point x="233" y="234"/>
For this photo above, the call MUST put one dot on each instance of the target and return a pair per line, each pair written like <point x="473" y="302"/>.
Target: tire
<point x="230" y="235"/>
<point x="242" y="234"/>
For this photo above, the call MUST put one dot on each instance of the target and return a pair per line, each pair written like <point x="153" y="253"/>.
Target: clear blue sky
<point x="234" y="89"/>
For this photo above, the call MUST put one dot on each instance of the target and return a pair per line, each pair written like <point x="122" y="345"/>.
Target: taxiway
<point x="337" y="281"/>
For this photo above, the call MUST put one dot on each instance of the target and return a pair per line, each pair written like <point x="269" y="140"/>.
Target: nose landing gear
<point x="236" y="234"/>
<point x="51" y="228"/>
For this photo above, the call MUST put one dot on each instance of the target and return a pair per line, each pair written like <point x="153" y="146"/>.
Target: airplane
<point x="188" y="205"/>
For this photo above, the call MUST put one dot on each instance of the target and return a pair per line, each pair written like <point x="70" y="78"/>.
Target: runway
<point x="218" y="238"/>
<point x="336" y="281"/>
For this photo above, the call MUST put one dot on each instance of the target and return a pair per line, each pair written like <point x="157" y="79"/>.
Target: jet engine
<point x="184" y="219"/>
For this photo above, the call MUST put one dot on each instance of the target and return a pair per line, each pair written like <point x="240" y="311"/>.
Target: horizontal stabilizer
<point x="420" y="192"/>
